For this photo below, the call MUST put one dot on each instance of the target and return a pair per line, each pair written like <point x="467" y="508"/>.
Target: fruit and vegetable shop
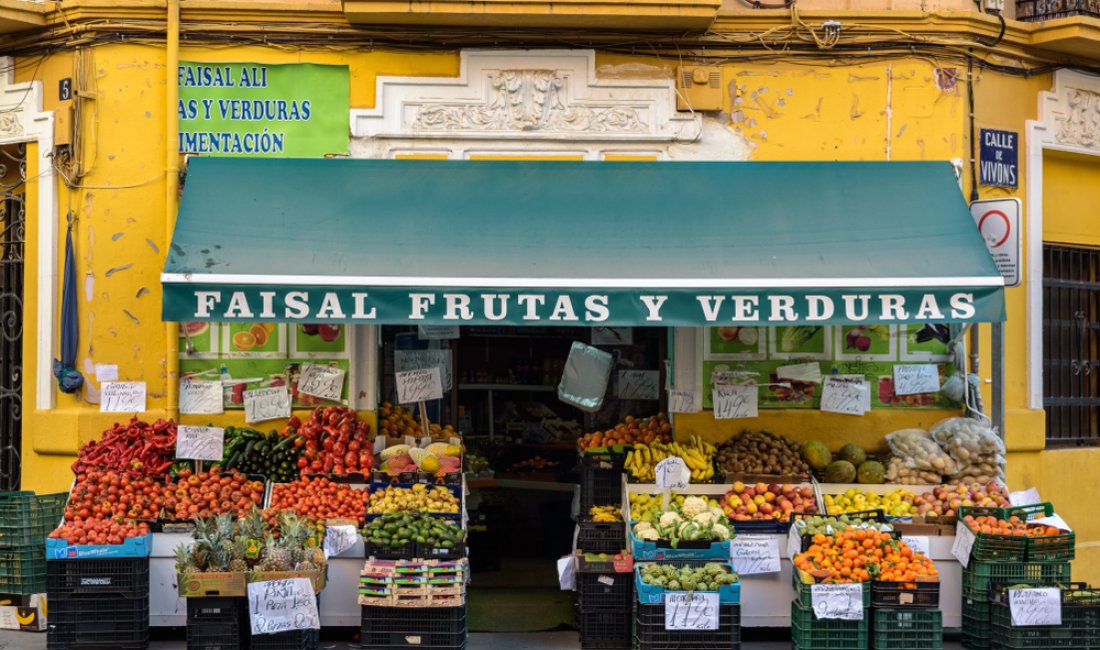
<point x="475" y="402"/>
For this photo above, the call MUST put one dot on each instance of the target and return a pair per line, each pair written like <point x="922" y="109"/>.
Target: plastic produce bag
<point x="918" y="450"/>
<point x="584" y="382"/>
<point x="978" y="452"/>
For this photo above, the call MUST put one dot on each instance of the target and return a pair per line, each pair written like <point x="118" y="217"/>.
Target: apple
<point x="766" y="508"/>
<point x="759" y="499"/>
<point x="807" y="492"/>
<point x="760" y="488"/>
<point x="738" y="487"/>
<point x="769" y="496"/>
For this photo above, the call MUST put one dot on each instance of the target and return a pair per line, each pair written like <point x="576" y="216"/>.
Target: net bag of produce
<point x="918" y="450"/>
<point x="978" y="452"/>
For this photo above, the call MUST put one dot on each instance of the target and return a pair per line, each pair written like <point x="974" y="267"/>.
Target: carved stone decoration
<point x="1081" y="125"/>
<point x="11" y="124"/>
<point x="528" y="100"/>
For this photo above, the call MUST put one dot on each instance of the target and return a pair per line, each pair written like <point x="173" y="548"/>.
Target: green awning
<point x="564" y="243"/>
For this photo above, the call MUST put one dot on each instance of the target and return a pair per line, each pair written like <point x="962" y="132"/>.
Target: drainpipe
<point x="171" y="190"/>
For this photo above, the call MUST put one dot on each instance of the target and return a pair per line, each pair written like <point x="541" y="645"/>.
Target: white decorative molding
<point x="1069" y="121"/>
<point x="22" y="120"/>
<point x="527" y="95"/>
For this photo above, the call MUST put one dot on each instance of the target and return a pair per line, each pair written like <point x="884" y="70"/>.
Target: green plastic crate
<point x="975" y="624"/>
<point x="979" y="575"/>
<point x="1080" y="626"/>
<point x="994" y="548"/>
<point x="1055" y="548"/>
<point x="803" y="594"/>
<point x="811" y="633"/>
<point x="23" y="571"/>
<point x="27" y="518"/>
<point x="906" y="628"/>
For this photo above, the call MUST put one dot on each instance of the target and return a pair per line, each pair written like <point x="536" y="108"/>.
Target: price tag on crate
<point x="200" y="443"/>
<point x="1041" y="606"/>
<point x="282" y="606"/>
<point x="843" y="602"/>
<point x="672" y="474"/>
<point x="691" y="610"/>
<point x="321" y="381"/>
<point x="964" y="543"/>
<point x="794" y="542"/>
<point x="753" y="554"/>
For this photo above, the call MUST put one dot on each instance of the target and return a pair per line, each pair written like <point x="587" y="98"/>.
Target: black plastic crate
<point x="917" y="593"/>
<point x="96" y="621"/>
<point x="1038" y="10"/>
<point x="413" y="627"/>
<point x="295" y="640"/>
<point x="600" y="487"/>
<point x="605" y="592"/>
<point x="433" y="552"/>
<point x="27" y="518"/>
<point x="23" y="571"/>
<point x="601" y="537"/>
<point x="122" y="577"/>
<point x="906" y="629"/>
<point x="406" y="551"/>
<point x="217" y="623"/>
<point x="609" y="630"/>
<point x="650" y="632"/>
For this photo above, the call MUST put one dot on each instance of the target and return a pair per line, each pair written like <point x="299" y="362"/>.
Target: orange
<point x="259" y="332"/>
<point x="244" y="341"/>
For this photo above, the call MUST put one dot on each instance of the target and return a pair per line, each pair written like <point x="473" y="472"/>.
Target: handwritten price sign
<point x="339" y="539"/>
<point x="325" y="382"/>
<point x="201" y="397"/>
<point x="122" y="397"/>
<point x="752" y="554"/>
<point x="266" y="404"/>
<point x="916" y="379"/>
<point x="200" y="443"/>
<point x="418" y="385"/>
<point x="420" y="359"/>
<point x="691" y="611"/>
<point x="850" y="396"/>
<point x="639" y="384"/>
<point x="672" y="474"/>
<point x="282" y="606"/>
<point x="736" y="401"/>
<point x="964" y="542"/>
<point x="843" y="602"/>
<point x="1031" y="607"/>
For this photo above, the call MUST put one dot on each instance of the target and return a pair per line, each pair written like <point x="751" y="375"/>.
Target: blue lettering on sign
<point x="999" y="160"/>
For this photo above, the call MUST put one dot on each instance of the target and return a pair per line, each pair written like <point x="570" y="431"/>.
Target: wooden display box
<point x="202" y="585"/>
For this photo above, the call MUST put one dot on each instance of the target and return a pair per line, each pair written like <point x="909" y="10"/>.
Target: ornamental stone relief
<point x="11" y="124"/>
<point x="1081" y="125"/>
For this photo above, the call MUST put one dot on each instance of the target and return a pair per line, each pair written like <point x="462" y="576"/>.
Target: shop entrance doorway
<point x="13" y="178"/>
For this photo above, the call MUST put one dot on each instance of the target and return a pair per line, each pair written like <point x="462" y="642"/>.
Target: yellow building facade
<point x="778" y="85"/>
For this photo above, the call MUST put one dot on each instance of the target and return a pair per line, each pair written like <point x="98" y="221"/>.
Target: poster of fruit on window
<point x="246" y="356"/>
<point x="730" y="343"/>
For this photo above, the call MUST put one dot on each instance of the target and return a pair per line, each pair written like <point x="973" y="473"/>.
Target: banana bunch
<point x="696" y="453"/>
<point x="605" y="514"/>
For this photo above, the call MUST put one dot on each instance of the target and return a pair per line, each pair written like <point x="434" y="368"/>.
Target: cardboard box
<point x="24" y="613"/>
<point x="318" y="578"/>
<point x="923" y="529"/>
<point x="619" y="563"/>
<point x="201" y="585"/>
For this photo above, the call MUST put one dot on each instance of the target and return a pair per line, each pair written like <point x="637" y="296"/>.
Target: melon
<point x="816" y="455"/>
<point x="840" y="471"/>
<point x="871" y="472"/>
<point x="852" y="453"/>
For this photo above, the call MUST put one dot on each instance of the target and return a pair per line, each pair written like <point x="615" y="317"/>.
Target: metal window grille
<point x="13" y="176"/>
<point x="1071" y="344"/>
<point x="1036" y="10"/>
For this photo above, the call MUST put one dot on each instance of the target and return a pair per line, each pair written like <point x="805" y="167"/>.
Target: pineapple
<point x="276" y="556"/>
<point x="240" y="552"/>
<point x="185" y="563"/>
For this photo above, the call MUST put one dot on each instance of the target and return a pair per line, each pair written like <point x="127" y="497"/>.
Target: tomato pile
<point x="111" y="495"/>
<point x="96" y="531"/>
<point x="336" y="442"/>
<point x="861" y="555"/>
<point x="137" y="448"/>
<point x="320" y="497"/>
<point x="209" y="493"/>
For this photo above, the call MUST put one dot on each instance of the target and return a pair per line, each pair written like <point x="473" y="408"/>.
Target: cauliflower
<point x="693" y="506"/>
<point x="721" y="532"/>
<point x="643" y="525"/>
<point x="706" y="518"/>
<point x="670" y="519"/>
<point x="647" y="534"/>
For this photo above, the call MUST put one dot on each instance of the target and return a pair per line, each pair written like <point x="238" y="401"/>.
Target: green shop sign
<point x="188" y="298"/>
<point x="297" y="110"/>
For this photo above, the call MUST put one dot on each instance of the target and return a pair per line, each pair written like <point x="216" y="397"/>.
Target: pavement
<point x="567" y="640"/>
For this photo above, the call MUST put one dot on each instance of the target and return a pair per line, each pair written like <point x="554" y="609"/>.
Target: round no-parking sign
<point x="998" y="221"/>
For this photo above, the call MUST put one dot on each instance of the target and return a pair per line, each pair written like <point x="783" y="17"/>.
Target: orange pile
<point x="1011" y="526"/>
<point x="629" y="431"/>
<point x="863" y="555"/>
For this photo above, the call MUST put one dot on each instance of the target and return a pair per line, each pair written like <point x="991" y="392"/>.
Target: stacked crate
<point x="809" y="632"/>
<point x="1008" y="559"/>
<point x="1079" y="626"/>
<point x="604" y="607"/>
<point x="428" y="628"/>
<point x="98" y="603"/>
<point x="906" y="615"/>
<point x="651" y="625"/>
<point x="605" y="601"/>
<point x="217" y="623"/>
<point x="25" y="521"/>
<point x="414" y="603"/>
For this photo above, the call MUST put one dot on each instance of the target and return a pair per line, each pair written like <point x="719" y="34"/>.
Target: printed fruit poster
<point x="868" y="350"/>
<point x="246" y="356"/>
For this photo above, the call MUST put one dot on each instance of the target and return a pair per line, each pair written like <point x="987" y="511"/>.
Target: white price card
<point x="916" y="379"/>
<point x="420" y="359"/>
<point x="850" y="395"/>
<point x="843" y="602"/>
<point x="418" y="385"/>
<point x="964" y="542"/>
<point x="106" y="372"/>
<point x="682" y="401"/>
<point x="200" y="443"/>
<point x="1038" y="606"/>
<point x="691" y="610"/>
<point x="122" y="397"/>
<point x="919" y="544"/>
<point x="735" y="401"/>
<point x="567" y="573"/>
<point x="794" y="542"/>
<point x="339" y="539"/>
<point x="1053" y="520"/>
<point x="322" y="381"/>
<point x="1028" y="497"/>
<point x="282" y="606"/>
<point x="752" y="554"/>
<point x="436" y="332"/>
<point x="672" y="474"/>
<point x="802" y="372"/>
<point x="201" y="397"/>
<point x="266" y="404"/>
<point x="639" y="384"/>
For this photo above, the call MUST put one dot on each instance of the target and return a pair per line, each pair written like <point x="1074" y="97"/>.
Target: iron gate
<point x="13" y="177"/>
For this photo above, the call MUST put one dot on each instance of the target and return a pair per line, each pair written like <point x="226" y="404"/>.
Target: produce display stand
<point x="765" y="597"/>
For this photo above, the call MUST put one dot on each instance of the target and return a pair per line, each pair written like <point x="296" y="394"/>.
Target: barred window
<point x="1071" y="344"/>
